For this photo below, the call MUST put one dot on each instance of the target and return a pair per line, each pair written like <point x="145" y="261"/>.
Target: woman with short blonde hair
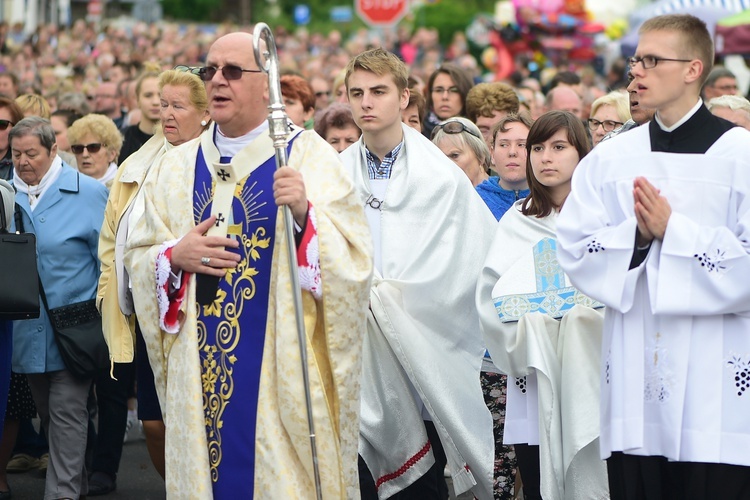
<point x="608" y="113"/>
<point x="96" y="142"/>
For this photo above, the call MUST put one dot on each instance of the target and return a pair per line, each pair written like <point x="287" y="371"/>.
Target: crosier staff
<point x="268" y="62"/>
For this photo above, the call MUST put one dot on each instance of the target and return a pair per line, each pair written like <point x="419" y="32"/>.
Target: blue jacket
<point x="499" y="200"/>
<point x="66" y="222"/>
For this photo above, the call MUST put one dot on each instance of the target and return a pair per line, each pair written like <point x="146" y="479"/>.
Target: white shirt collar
<point x="230" y="146"/>
<point x="682" y="120"/>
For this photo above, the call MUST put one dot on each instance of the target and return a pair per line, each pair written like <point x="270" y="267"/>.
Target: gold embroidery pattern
<point x="217" y="361"/>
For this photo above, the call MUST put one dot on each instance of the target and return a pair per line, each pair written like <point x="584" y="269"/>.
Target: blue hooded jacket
<point x="498" y="199"/>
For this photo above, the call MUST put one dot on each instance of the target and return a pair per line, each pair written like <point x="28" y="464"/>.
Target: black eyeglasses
<point x="91" y="148"/>
<point x="230" y="72"/>
<point x="4" y="124"/>
<point x="453" y="127"/>
<point x="607" y="125"/>
<point x="651" y="61"/>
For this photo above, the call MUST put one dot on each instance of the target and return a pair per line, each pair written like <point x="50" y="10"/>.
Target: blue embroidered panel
<point x="552" y="296"/>
<point x="549" y="274"/>
<point x="554" y="303"/>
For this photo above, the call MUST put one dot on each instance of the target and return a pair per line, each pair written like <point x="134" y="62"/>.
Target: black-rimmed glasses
<point x="4" y="124"/>
<point x="649" y="62"/>
<point x="92" y="148"/>
<point x="453" y="127"/>
<point x="230" y="72"/>
<point x="607" y="125"/>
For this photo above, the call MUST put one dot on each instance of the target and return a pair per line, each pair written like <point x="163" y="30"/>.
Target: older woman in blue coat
<point x="65" y="210"/>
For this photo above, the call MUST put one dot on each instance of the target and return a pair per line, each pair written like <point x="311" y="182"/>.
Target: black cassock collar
<point x="695" y="136"/>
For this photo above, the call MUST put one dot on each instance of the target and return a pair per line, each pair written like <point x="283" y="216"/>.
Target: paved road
<point x="137" y="479"/>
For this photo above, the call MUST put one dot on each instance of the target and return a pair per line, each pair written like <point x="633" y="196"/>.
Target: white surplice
<point x="676" y="346"/>
<point x="547" y="338"/>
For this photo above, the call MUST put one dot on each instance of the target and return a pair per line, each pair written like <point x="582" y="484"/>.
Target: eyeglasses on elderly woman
<point x="453" y="127"/>
<point x="607" y="125"/>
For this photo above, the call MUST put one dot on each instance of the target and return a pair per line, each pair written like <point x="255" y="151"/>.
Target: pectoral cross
<point x="552" y="297"/>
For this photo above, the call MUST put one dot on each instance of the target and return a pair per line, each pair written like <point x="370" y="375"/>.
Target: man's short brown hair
<point x="697" y="43"/>
<point x="486" y="98"/>
<point x="380" y="62"/>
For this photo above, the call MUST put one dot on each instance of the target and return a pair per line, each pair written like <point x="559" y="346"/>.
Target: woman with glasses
<point x="541" y="331"/>
<point x="147" y="97"/>
<point x="10" y="114"/>
<point x="95" y="141"/>
<point x="447" y="88"/>
<point x="461" y="141"/>
<point x="184" y="116"/>
<point x="608" y="113"/>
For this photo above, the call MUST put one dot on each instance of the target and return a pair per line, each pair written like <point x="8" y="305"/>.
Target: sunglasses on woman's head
<point x="4" y="124"/>
<point x="187" y="69"/>
<point x="91" y="148"/>
<point x="454" y="127"/>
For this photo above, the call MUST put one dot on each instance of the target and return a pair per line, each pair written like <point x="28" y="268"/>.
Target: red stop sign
<point x="381" y="12"/>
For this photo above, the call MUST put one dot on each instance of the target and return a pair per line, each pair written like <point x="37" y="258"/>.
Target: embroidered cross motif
<point x="712" y="263"/>
<point x="223" y="174"/>
<point x="219" y="219"/>
<point x="741" y="373"/>
<point x="552" y="297"/>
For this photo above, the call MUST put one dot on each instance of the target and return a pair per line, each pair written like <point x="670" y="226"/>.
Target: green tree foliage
<point x="191" y="10"/>
<point x="450" y="16"/>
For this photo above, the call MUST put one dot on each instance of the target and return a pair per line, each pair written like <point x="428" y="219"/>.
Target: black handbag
<point x="79" y="338"/>
<point x="19" y="278"/>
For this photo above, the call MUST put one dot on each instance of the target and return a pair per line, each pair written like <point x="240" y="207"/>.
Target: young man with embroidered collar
<point x="217" y="315"/>
<point x="431" y="232"/>
<point x="657" y="228"/>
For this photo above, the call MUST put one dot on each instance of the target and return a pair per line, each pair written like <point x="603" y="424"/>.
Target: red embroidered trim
<point x="408" y="465"/>
<point x="176" y="298"/>
<point x="310" y="231"/>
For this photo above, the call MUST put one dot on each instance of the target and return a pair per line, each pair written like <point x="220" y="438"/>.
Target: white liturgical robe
<point x="676" y="345"/>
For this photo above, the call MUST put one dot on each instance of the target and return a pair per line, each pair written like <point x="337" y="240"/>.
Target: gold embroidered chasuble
<point x="334" y="326"/>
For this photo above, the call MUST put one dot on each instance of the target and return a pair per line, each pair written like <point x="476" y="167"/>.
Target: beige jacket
<point x="119" y="330"/>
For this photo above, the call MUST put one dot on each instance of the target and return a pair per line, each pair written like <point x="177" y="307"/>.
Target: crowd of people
<point x="541" y="320"/>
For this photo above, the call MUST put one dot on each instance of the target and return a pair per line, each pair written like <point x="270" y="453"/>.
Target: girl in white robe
<point x="542" y="332"/>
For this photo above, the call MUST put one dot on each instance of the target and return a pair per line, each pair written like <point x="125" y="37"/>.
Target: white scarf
<point x="35" y="193"/>
<point x="423" y="329"/>
<point x="109" y="175"/>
